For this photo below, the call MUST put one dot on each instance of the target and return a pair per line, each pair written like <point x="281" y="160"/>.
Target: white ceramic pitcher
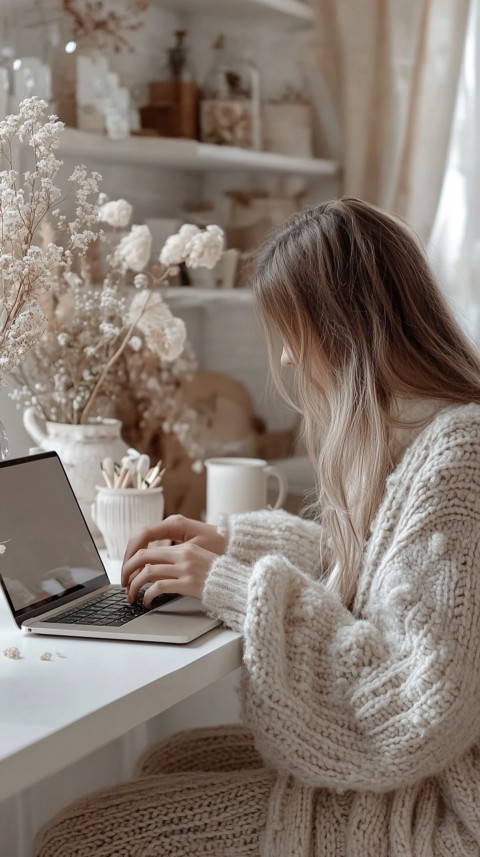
<point x="240" y="485"/>
<point x="81" y="449"/>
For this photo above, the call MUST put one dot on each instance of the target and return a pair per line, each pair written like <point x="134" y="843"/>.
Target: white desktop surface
<point x="53" y="713"/>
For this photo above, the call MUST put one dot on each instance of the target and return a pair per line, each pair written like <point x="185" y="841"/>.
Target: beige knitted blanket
<point x="370" y="717"/>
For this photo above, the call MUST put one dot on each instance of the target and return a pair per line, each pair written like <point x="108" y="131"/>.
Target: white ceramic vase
<point x="81" y="449"/>
<point x="121" y="513"/>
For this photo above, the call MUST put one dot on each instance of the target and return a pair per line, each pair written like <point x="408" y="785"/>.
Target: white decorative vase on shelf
<point x="81" y="449"/>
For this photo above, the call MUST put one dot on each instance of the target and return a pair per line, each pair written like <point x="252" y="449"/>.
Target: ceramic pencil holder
<point x="121" y="513"/>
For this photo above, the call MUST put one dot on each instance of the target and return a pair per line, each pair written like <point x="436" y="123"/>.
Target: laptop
<point x="53" y="576"/>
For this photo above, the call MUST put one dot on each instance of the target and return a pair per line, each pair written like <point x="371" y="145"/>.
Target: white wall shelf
<point x="299" y="11"/>
<point x="163" y="152"/>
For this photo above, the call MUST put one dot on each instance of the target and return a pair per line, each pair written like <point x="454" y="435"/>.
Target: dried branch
<point x="105" y="25"/>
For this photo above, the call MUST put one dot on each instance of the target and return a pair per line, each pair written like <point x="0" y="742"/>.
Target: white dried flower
<point x="135" y="248"/>
<point x="205" y="249"/>
<point x="168" y="340"/>
<point x="109" y="330"/>
<point x="13" y="653"/>
<point x="175" y="247"/>
<point x="72" y="279"/>
<point x="141" y="281"/>
<point x="164" y="333"/>
<point x="3" y="548"/>
<point x="135" y="342"/>
<point x="116" y="213"/>
<point x="148" y="310"/>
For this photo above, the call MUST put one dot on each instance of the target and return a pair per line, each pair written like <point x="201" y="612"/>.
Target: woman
<point x="361" y="692"/>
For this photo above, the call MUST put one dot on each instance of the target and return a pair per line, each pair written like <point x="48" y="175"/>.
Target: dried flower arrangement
<point x="105" y="23"/>
<point x="70" y="343"/>
<point x="104" y="345"/>
<point x="69" y="370"/>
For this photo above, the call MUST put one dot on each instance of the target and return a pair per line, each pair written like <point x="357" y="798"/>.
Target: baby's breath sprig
<point x="26" y="201"/>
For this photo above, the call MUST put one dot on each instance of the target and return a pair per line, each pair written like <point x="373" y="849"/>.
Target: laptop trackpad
<point x="182" y="606"/>
<point x="179" y="621"/>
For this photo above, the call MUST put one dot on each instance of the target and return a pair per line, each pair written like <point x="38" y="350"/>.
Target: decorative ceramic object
<point x="81" y="449"/>
<point x="288" y="129"/>
<point x="121" y="513"/>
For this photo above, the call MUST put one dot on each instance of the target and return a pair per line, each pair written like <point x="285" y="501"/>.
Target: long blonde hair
<point x="349" y="293"/>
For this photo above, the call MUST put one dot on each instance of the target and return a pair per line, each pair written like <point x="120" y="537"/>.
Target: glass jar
<point x="173" y="99"/>
<point x="230" y="105"/>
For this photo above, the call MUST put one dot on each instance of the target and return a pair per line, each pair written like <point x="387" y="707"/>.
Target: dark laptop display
<point x="49" y="552"/>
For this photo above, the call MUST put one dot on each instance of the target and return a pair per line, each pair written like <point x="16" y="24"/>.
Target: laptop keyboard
<point x="109" y="608"/>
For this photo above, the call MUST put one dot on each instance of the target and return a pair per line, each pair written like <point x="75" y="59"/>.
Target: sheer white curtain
<point x="454" y="246"/>
<point x="390" y="70"/>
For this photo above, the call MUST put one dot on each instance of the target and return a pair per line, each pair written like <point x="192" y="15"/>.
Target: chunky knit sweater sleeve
<point x="254" y="534"/>
<point x="388" y="694"/>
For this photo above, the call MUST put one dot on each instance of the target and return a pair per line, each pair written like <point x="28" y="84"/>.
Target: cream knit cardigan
<point x="371" y="717"/>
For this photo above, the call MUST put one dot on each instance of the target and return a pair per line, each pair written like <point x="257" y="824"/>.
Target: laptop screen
<point x="46" y="549"/>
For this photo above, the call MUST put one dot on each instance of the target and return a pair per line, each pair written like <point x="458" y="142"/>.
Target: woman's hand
<point x="182" y="568"/>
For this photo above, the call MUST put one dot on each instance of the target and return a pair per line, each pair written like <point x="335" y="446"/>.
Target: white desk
<point x="53" y="713"/>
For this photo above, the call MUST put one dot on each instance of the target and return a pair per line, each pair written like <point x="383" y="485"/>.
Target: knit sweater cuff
<point x="225" y="591"/>
<point x="251" y="535"/>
